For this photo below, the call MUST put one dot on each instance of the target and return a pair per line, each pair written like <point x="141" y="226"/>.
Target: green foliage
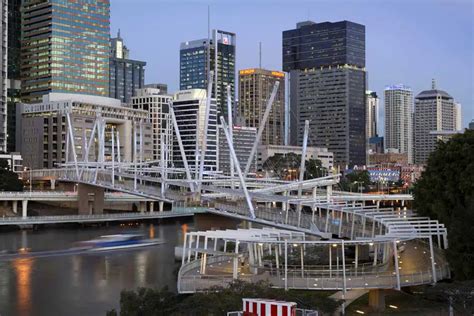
<point x="8" y="179"/>
<point x="288" y="166"/>
<point x="354" y="180"/>
<point x="445" y="192"/>
<point x="314" y="169"/>
<point x="216" y="301"/>
<point x="4" y="164"/>
<point x="146" y="301"/>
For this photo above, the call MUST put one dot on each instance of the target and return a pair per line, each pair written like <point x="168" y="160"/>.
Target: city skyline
<point x="388" y="60"/>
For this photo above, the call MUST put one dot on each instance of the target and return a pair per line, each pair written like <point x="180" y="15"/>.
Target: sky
<point x="407" y="41"/>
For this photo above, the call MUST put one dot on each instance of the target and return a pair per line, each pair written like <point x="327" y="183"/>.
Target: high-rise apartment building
<point x="126" y="75"/>
<point x="436" y="113"/>
<point x="372" y="114"/>
<point x="156" y="104"/>
<point x="326" y="65"/>
<point x="190" y="111"/>
<point x="198" y="57"/>
<point x="3" y="72"/>
<point x="64" y="48"/>
<point x="398" y="120"/>
<point x="255" y="88"/>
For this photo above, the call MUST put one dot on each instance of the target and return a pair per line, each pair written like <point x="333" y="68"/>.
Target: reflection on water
<point x="23" y="269"/>
<point x="87" y="284"/>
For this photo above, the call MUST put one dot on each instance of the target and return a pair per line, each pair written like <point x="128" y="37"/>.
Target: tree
<point x="314" y="169"/>
<point x="215" y="301"/>
<point x="354" y="180"/>
<point x="445" y="192"/>
<point x="8" y="179"/>
<point x="288" y="167"/>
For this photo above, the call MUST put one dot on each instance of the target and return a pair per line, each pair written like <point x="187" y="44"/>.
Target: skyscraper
<point x="326" y="62"/>
<point x="156" y="103"/>
<point x="126" y="75"/>
<point x="190" y="108"/>
<point x="65" y="48"/>
<point x="372" y="114"/>
<point x="14" y="38"/>
<point x="197" y="57"/>
<point x="435" y="112"/>
<point x="398" y="120"/>
<point x="13" y="75"/>
<point x="3" y="78"/>
<point x="255" y="88"/>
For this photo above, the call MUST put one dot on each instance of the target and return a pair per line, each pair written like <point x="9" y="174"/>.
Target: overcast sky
<point x="407" y="41"/>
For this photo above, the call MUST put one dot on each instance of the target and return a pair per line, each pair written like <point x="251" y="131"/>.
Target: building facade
<point x="156" y="104"/>
<point x="398" y="120"/>
<point x="14" y="38"/>
<point x="255" y="88"/>
<point x="243" y="139"/>
<point x="13" y="101"/>
<point x="372" y="114"/>
<point x="190" y="110"/>
<point x="198" y="57"/>
<point x="266" y="151"/>
<point x="56" y="54"/>
<point x="436" y="113"/>
<point x="326" y="65"/>
<point x="3" y="72"/>
<point x="13" y="73"/>
<point x="43" y="130"/>
<point x="15" y="161"/>
<point x="126" y="75"/>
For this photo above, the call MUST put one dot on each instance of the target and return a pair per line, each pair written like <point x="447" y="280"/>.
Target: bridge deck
<point x="32" y="220"/>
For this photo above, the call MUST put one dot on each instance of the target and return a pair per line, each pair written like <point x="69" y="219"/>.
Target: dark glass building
<point x="14" y="38"/>
<point x="326" y="63"/>
<point x="314" y="45"/>
<point x="13" y="73"/>
<point x="194" y="64"/>
<point x="64" y="48"/>
<point x="126" y="75"/>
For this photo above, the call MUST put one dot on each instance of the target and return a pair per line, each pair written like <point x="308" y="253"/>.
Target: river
<point x="87" y="284"/>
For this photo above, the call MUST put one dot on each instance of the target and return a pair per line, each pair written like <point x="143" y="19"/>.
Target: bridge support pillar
<point x="142" y="207"/>
<point x="53" y="184"/>
<point x="161" y="205"/>
<point x="15" y="206"/>
<point x="24" y="208"/>
<point x="84" y="191"/>
<point x="377" y="300"/>
<point x="152" y="206"/>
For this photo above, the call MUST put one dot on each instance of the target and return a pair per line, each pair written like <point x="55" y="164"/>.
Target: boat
<point x="119" y="241"/>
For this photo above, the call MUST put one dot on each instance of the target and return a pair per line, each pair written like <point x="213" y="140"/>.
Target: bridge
<point x="99" y="218"/>
<point x="319" y="239"/>
<point x="63" y="196"/>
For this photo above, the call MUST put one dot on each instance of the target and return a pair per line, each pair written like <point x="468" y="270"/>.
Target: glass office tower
<point x="326" y="63"/>
<point x="65" y="47"/>
<point x="194" y="65"/>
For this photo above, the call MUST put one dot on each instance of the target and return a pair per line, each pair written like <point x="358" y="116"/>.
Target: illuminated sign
<point x="278" y="74"/>
<point x="247" y="71"/>
<point x="225" y="40"/>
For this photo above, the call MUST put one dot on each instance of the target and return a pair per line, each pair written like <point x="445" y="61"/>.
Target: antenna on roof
<point x="259" y="54"/>
<point x="118" y="33"/>
<point x="433" y="84"/>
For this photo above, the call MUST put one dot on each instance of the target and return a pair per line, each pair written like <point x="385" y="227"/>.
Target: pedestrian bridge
<point x="99" y="218"/>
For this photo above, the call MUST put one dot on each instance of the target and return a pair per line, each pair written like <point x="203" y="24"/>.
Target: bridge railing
<point x="196" y="282"/>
